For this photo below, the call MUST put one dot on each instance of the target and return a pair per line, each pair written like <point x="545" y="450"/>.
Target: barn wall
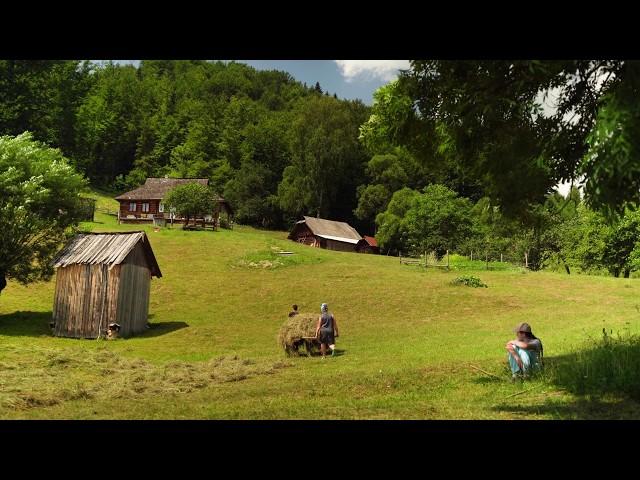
<point x="339" y="246"/>
<point x="83" y="305"/>
<point x="133" y="295"/>
<point x="302" y="234"/>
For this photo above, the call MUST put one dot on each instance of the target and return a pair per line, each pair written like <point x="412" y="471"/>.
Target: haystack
<point x="297" y="331"/>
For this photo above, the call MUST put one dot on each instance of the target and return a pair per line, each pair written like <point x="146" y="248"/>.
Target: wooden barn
<point x="328" y="234"/>
<point x="144" y="204"/>
<point x="103" y="280"/>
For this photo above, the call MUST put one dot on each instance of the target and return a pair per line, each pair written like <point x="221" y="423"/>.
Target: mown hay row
<point x="59" y="376"/>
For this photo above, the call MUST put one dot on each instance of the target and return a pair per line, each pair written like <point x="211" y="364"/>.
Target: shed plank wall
<point x="133" y="295"/>
<point x="85" y="300"/>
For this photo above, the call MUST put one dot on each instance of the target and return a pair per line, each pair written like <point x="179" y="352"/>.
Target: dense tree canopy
<point x="228" y="122"/>
<point x="488" y="117"/>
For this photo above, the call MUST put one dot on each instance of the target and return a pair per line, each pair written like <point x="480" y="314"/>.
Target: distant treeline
<point x="424" y="168"/>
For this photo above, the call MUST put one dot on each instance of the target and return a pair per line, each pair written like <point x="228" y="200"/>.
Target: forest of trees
<point x="275" y="148"/>
<point x="453" y="155"/>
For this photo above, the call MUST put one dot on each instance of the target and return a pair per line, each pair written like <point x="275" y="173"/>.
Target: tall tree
<point x="190" y="200"/>
<point x="438" y="220"/>
<point x="40" y="201"/>
<point x="108" y="124"/>
<point x="392" y="234"/>
<point x="326" y="159"/>
<point x="490" y="118"/>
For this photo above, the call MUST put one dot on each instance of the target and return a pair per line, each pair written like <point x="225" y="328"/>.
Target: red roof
<point x="371" y="241"/>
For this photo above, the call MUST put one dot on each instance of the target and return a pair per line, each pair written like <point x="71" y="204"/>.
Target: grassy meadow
<point x="408" y="340"/>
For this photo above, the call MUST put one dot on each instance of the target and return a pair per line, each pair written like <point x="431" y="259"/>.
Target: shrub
<point x="469" y="281"/>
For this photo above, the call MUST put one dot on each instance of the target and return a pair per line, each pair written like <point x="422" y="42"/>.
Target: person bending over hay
<point x="297" y="331"/>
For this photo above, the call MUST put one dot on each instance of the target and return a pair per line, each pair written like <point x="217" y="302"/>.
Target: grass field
<point x="407" y="340"/>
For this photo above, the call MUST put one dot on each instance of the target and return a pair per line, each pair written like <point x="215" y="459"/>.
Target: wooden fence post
<point x="472" y="255"/>
<point x="447" y="259"/>
<point x="526" y="260"/>
<point x="500" y="258"/>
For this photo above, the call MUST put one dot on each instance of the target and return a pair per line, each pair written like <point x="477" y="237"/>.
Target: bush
<point x="469" y="281"/>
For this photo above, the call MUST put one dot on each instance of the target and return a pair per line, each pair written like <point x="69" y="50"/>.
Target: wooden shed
<point x="103" y="279"/>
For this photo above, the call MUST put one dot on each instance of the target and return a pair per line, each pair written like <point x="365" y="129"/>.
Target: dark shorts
<point x="326" y="336"/>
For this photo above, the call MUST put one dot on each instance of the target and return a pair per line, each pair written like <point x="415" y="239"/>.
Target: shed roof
<point x="340" y="231"/>
<point x="157" y="188"/>
<point x="109" y="248"/>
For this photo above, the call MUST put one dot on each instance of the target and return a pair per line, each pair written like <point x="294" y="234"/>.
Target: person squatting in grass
<point x="326" y="330"/>
<point x="525" y="352"/>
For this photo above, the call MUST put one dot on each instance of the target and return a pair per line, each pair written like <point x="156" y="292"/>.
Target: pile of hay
<point x="293" y="332"/>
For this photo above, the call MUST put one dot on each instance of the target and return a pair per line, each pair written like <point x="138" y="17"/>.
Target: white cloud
<point x="385" y="70"/>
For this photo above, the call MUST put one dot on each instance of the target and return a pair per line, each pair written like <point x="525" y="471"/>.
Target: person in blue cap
<point x="326" y="330"/>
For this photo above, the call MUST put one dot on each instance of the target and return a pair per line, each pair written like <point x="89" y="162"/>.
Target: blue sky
<point x="348" y="79"/>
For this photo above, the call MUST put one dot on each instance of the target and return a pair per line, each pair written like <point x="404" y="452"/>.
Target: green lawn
<point x="407" y="339"/>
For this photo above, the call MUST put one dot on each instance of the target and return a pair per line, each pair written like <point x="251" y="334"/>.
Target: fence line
<point x="424" y="260"/>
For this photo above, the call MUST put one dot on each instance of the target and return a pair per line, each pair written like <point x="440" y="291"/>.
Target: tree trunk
<point x="564" y="262"/>
<point x="3" y="281"/>
<point x="626" y="273"/>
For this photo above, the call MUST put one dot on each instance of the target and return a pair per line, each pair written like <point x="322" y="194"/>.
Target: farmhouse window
<point x="145" y="207"/>
<point x="132" y="207"/>
<point x="161" y="208"/>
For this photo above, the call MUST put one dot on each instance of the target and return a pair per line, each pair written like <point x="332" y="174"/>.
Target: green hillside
<point x="407" y="339"/>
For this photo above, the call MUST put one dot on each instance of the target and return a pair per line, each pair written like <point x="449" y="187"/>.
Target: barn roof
<point x="331" y="229"/>
<point x="110" y="248"/>
<point x="371" y="241"/>
<point x="340" y="239"/>
<point x="157" y="188"/>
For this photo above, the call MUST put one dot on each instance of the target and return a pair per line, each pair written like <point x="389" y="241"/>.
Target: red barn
<point x="368" y="245"/>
